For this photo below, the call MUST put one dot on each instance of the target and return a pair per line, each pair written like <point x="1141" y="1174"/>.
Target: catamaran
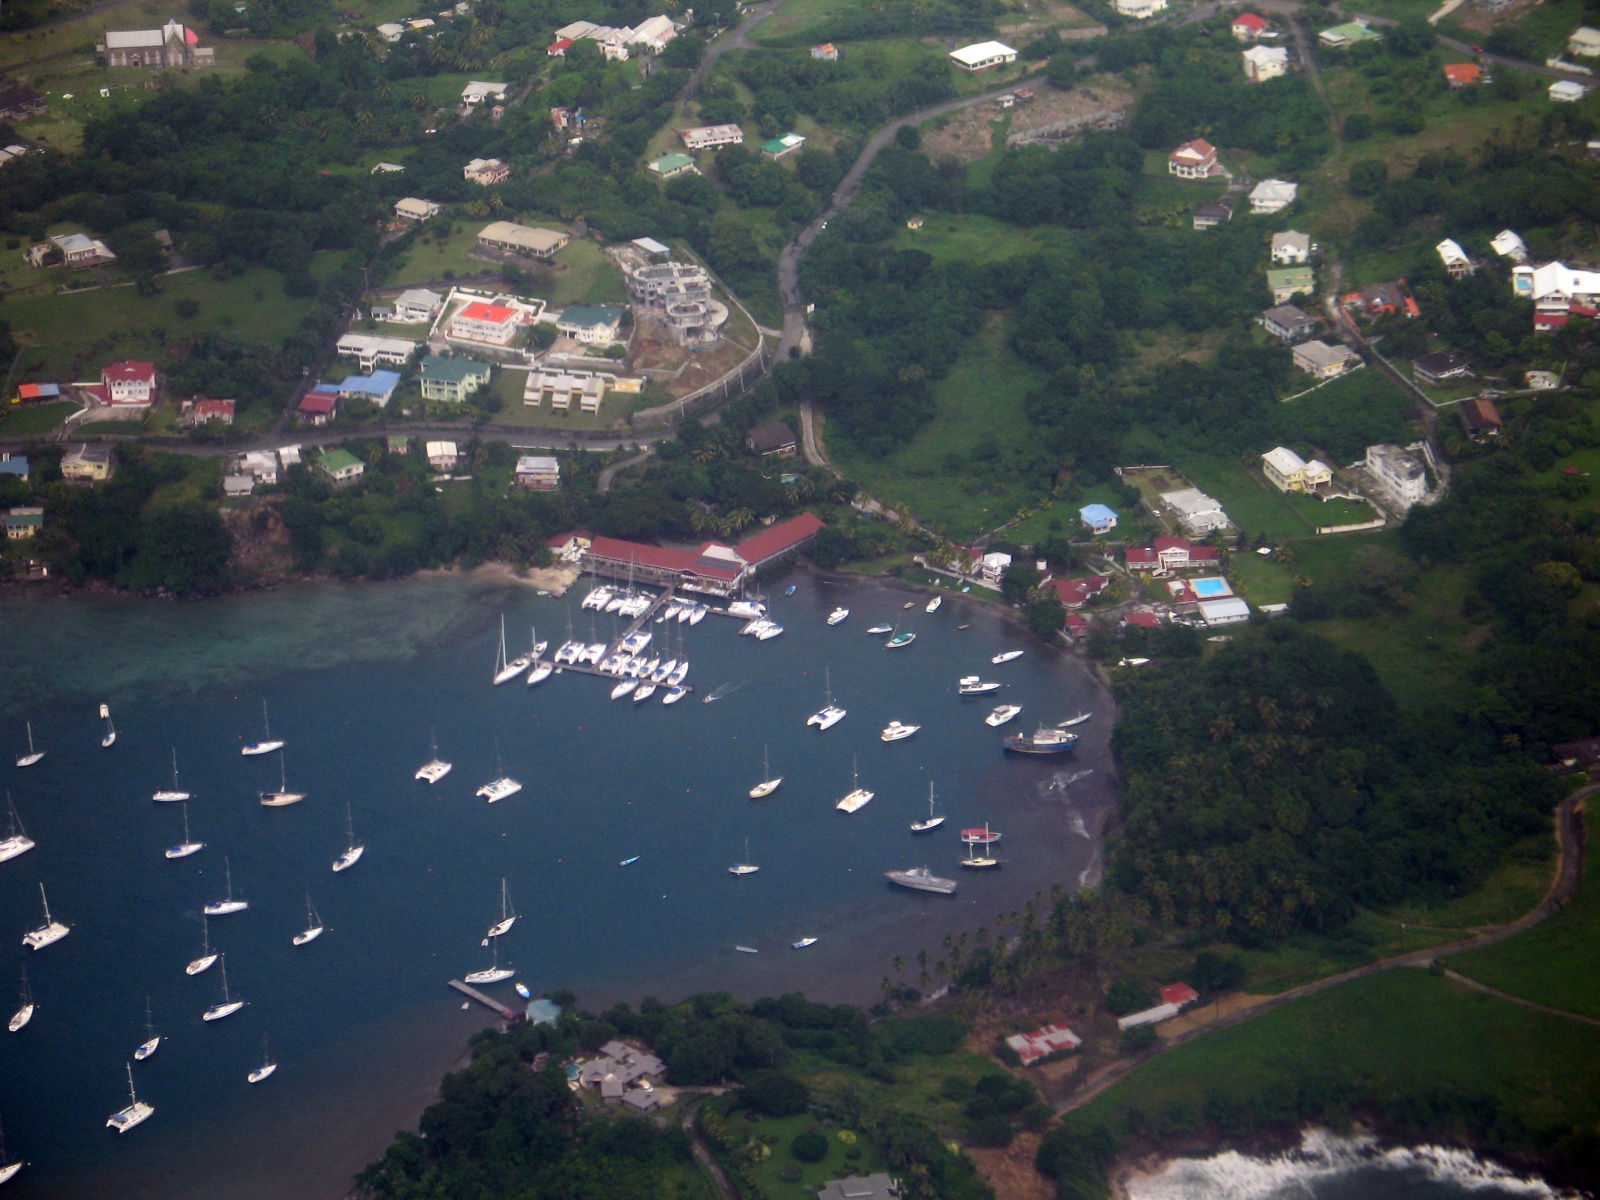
<point x="49" y="933"/>
<point x="171" y="795"/>
<point x="228" y="1005"/>
<point x="502" y="785"/>
<point x="221" y="908"/>
<point x="933" y="605"/>
<point x="8" y="1170"/>
<point x="24" y="1012"/>
<point x="830" y="714"/>
<point x="109" y="738"/>
<point x="495" y="973"/>
<point x="152" y="1040"/>
<point x="17" y="840"/>
<point x="838" y="616"/>
<point x="973" y="685"/>
<point x="267" y="1066"/>
<point x="1006" y="656"/>
<point x="505" y="670"/>
<point x="932" y="822"/>
<point x="137" y="1112"/>
<point x="858" y="797"/>
<point x="32" y="756"/>
<point x="435" y="768"/>
<point x="747" y="609"/>
<point x="353" y="851"/>
<point x="268" y="743"/>
<point x="894" y="731"/>
<point x="1001" y="714"/>
<point x="186" y="847"/>
<point x="207" y="957"/>
<point x="313" y="929"/>
<point x="744" y="866"/>
<point x="283" y="797"/>
<point x="508" y="916"/>
<point x="769" y="782"/>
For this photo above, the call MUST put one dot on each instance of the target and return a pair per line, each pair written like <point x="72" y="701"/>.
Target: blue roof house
<point x="1098" y="518"/>
<point x="377" y="387"/>
<point x="13" y="464"/>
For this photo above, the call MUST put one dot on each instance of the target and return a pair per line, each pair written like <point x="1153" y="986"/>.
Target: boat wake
<point x="1060" y="781"/>
<point x="1325" y="1164"/>
<point x="725" y="689"/>
<point x="1075" y="823"/>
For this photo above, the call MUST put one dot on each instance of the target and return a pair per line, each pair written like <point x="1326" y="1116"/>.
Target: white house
<point x="980" y="56"/>
<point x="1139" y="10"/>
<point x="1262" y="63"/>
<point x="1556" y="286"/>
<point x="1197" y="512"/>
<point x="477" y="92"/>
<point x="369" y="350"/>
<point x="412" y="209"/>
<point x="1584" y="42"/>
<point x="1564" y="91"/>
<point x="591" y="324"/>
<point x="654" y="33"/>
<point x="495" y="324"/>
<point x="1291" y="247"/>
<point x="390" y="32"/>
<point x="709" y="137"/>
<point x="1322" y="361"/>
<point x="1456" y="263"/>
<point x="1229" y="610"/>
<point x="1288" y="472"/>
<point x="415" y="305"/>
<point x="1398" y="472"/>
<point x="1098" y="518"/>
<point x="441" y="455"/>
<point x="129" y="383"/>
<point x="1193" y="160"/>
<point x="486" y="171"/>
<point x="1272" y="195"/>
<point x="1509" y="245"/>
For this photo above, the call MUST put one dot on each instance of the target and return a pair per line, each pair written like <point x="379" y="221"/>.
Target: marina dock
<point x="473" y="993"/>
<point x="638" y="623"/>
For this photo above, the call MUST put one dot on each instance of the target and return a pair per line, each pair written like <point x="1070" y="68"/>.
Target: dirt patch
<point x="1205" y="1014"/>
<point x="969" y="135"/>
<point x="698" y="367"/>
<point x="260" y="543"/>
<point x="1011" y="1171"/>
<point x="1073" y="23"/>
<point x="1478" y="20"/>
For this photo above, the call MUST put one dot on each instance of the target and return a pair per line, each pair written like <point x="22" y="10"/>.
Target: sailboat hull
<point x="13" y="846"/>
<point x="310" y="935"/>
<point x="500" y="928"/>
<point x="349" y="858"/>
<point x="262" y="1072"/>
<point x="255" y="748"/>
<point x="45" y="935"/>
<point x="108" y="741"/>
<point x="433" y="772"/>
<point x="135" y="1114"/>
<point x="27" y="760"/>
<point x="204" y="963"/>
<point x="166" y="797"/>
<point x="10" y="1169"/>
<point x="765" y="788"/>
<point x="493" y="976"/>
<point x="184" y="849"/>
<point x="217" y="1011"/>
<point x="280" y="799"/>
<point x="22" y="1016"/>
<point x="221" y="908"/>
<point x="147" y="1049"/>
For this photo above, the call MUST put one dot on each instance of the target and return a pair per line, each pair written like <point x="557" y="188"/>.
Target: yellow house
<point x="87" y="464"/>
<point x="1289" y="473"/>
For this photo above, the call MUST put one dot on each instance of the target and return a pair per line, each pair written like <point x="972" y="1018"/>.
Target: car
<point x="1477" y="49"/>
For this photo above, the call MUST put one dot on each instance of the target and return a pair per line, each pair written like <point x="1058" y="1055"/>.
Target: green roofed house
<point x="591" y="324"/>
<point x="779" y="146"/>
<point x="669" y="165"/>
<point x="1288" y="282"/>
<point x="1342" y="36"/>
<point x="451" y="378"/>
<point x="340" y="466"/>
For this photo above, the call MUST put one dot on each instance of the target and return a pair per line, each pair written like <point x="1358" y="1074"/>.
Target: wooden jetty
<point x="510" y="1014"/>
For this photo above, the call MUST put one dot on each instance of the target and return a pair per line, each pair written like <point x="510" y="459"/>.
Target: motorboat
<point x="435" y="768"/>
<point x="137" y="1112"/>
<point x="507" y="669"/>
<point x="933" y="605"/>
<point x="25" y="1005"/>
<point x="750" y="949"/>
<point x="186" y="847"/>
<point x="909" y="604"/>
<point x="1006" y="656"/>
<point x="207" y="956"/>
<point x="769" y="782"/>
<point x="881" y="628"/>
<point x="313" y="929"/>
<point x="830" y="714"/>
<point x="48" y="934"/>
<point x="267" y="1066"/>
<point x="628" y="862"/>
<point x="221" y="908"/>
<point x="858" y="796"/>
<point x="1042" y="741"/>
<point x="968" y="625"/>
<point x="973" y="685"/>
<point x="789" y="591"/>
<point x="109" y="738"/>
<point x="353" y="852"/>
<point x="522" y="990"/>
<point x="803" y="943"/>
<point x="33" y="755"/>
<point x="494" y="973"/>
<point x="747" y="609"/>
<point x="744" y="866"/>
<point x="1132" y="662"/>
<point x="508" y="915"/>
<point x="283" y="797"/>
<point x="227" y="1006"/>
<point x="152" y="1039"/>
<point x="643" y="692"/>
<point x="173" y="794"/>
<point x="1071" y="721"/>
<point x="920" y="879"/>
<point x="894" y="731"/>
<point x="1001" y="715"/>
<point x="268" y="743"/>
<point x="983" y="836"/>
<point x="932" y="822"/>
<point x="674" y="695"/>
<point x="502" y="785"/>
<point x="838" y="616"/>
<point x="623" y="688"/>
<point x="16" y="840"/>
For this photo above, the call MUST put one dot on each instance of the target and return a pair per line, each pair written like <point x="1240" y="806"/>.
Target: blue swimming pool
<point x="1210" y="589"/>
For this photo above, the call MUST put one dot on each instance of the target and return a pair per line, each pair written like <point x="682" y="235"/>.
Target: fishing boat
<point x="267" y="1066"/>
<point x="502" y="785"/>
<point x="747" y="950"/>
<point x="1041" y="741"/>
<point x="858" y="796"/>
<point x="744" y="866"/>
<point x="1071" y="721"/>
<point x="227" y="1006"/>
<point x="493" y="974"/>
<point x="838" y="616"/>
<point x="137" y="1112"/>
<point x="25" y="1006"/>
<point x="540" y="671"/>
<point x="1001" y="715"/>
<point x="973" y="685"/>
<point x="674" y="695"/>
<point x="435" y="768"/>
<point x="643" y="692"/>
<point x="186" y="847"/>
<point x="508" y="915"/>
<point x="152" y="1040"/>
<point x="169" y="796"/>
<point x="894" y="731"/>
<point x="268" y="743"/>
<point x="203" y="963"/>
<point x="109" y="738"/>
<point x="8" y="1169"/>
<point x="978" y="862"/>
<point x="883" y="627"/>
<point x="283" y="797"/>
<point x="221" y="908"/>
<point x="1006" y="656"/>
<point x="313" y="929"/>
<point x="623" y="688"/>
<point x="980" y="836"/>
<point x="932" y="822"/>
<point x="32" y="756"/>
<point x="803" y="943"/>
<point x="769" y="782"/>
<point x="933" y="605"/>
<point x="16" y="840"/>
<point x="353" y="852"/>
<point x="51" y="932"/>
<point x="920" y="879"/>
<point x="628" y="862"/>
<point x="830" y="714"/>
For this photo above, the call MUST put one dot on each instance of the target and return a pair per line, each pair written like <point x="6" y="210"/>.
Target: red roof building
<point x="1075" y="593"/>
<point x="1042" y="1042"/>
<point x="1171" y="553"/>
<point x="200" y="410"/>
<point x="1459" y="75"/>
<point x="1142" y="620"/>
<point x="129" y="382"/>
<point x="1193" y="160"/>
<point x="1075" y="626"/>
<point x="1247" y="27"/>
<point x="558" y="48"/>
<point x="317" y="406"/>
<point x="1179" y="994"/>
<point x="777" y="540"/>
<point x="711" y="567"/>
<point x="1544" y="322"/>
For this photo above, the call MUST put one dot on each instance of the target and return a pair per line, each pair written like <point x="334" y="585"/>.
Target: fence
<point x="735" y="383"/>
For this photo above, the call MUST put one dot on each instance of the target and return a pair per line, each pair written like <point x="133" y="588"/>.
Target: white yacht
<point x="502" y="785"/>
<point x="435" y="768"/>
<point x="137" y="1112"/>
<point x="109" y="738"/>
<point x="8" y="1170"/>
<point x="207" y="956"/>
<point x="49" y="933"/>
<point x="674" y="695"/>
<point x="744" y="866"/>
<point x="24" y="1012"/>
<point x="623" y="688"/>
<point x="536" y="648"/>
<point x="933" y="605"/>
<point x="228" y="1005"/>
<point x="803" y="943"/>
<point x="830" y="714"/>
<point x="973" y="685"/>
<point x="678" y="673"/>
<point x="353" y="852"/>
<point x="493" y="974"/>
<point x="597" y="598"/>
<point x="1006" y="656"/>
<point x="858" y="797"/>
<point x="267" y="1066"/>
<point x="173" y="794"/>
<point x="152" y="1039"/>
<point x="268" y="743"/>
<point x="747" y="609"/>
<point x="1001" y="715"/>
<point x="508" y="915"/>
<point x="313" y="929"/>
<point x="769" y="782"/>
<point x="894" y="731"/>
<point x="540" y="671"/>
<point x="16" y="840"/>
<point x="283" y="797"/>
<point x="768" y="631"/>
<point x="507" y="669"/>
<point x="697" y="614"/>
<point x="32" y="756"/>
<point x="932" y="821"/>
<point x="838" y="616"/>
<point x="880" y="628"/>
<point x="186" y="847"/>
<point x="643" y="692"/>
<point x="221" y="908"/>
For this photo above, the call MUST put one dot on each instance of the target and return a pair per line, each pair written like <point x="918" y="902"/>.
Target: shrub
<point x="990" y="1131"/>
<point x="1129" y="995"/>
<point x="1139" y="1039"/>
<point x="775" y="1093"/>
<point x="809" y="1147"/>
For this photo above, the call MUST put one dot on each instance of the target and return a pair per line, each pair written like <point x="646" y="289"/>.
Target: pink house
<point x="129" y="382"/>
<point x="1171" y="553"/>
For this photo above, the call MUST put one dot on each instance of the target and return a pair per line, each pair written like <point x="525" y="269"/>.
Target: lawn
<point x="1512" y="889"/>
<point x="1060" y="519"/>
<point x="778" y="1134"/>
<point x="795" y="16"/>
<point x="580" y="274"/>
<point x="614" y="408"/>
<point x="949" y="237"/>
<point x="1257" y="507"/>
<point x="1311" y="956"/>
<point x="17" y="421"/>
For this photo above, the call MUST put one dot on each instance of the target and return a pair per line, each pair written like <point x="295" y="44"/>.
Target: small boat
<point x="628" y="862"/>
<point x="909" y="604"/>
<point x="493" y="974"/>
<point x="507" y="669"/>
<point x="973" y="685"/>
<point x="25" y="1005"/>
<point x="283" y="797"/>
<point x="920" y="879"/>
<point x="932" y="822"/>
<point x="830" y="714"/>
<point x="1042" y="741"/>
<point x="769" y="782"/>
<point x="51" y="932"/>
<point x="858" y="796"/>
<point x="227" y="1006"/>
<point x="744" y="866"/>
<point x="894" y="731"/>
<point x="883" y="628"/>
<point x="1132" y="662"/>
<point x="968" y="625"/>
<point x="8" y="1170"/>
<point x="267" y="1066"/>
<point x="899" y="640"/>
<point x="152" y="1040"/>
<point x="32" y="756"/>
<point x="673" y="696"/>
<point x="933" y="605"/>
<point x="789" y="591"/>
<point x="16" y="840"/>
<point x="435" y="768"/>
<point x="110" y="737"/>
<point x="803" y="943"/>
<point x="1006" y="656"/>
<point x="643" y="692"/>
<point x="1001" y="715"/>
<point x="623" y="688"/>
<point x="508" y="915"/>
<point x="540" y="671"/>
<point x="522" y="990"/>
<point x="313" y="929"/>
<point x="502" y="785"/>
<point x="221" y="908"/>
<point x="980" y="837"/>
<point x="268" y="743"/>
<point x="748" y="949"/>
<point x="186" y="847"/>
<point x="168" y="796"/>
<point x="353" y="852"/>
<point x="838" y="616"/>
<point x="137" y="1112"/>
<point x="978" y="862"/>
<point x="1071" y="721"/>
<point x="203" y="963"/>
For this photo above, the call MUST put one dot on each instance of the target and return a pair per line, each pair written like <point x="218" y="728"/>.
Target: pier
<point x="472" y="993"/>
<point x="638" y="623"/>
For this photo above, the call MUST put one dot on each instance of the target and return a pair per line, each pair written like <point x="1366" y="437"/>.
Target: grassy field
<point x="796" y="16"/>
<point x="1310" y="956"/>
<point x="16" y="421"/>
<point x="949" y="237"/>
<point x="1512" y="889"/>
<point x="580" y="274"/>
<point x="778" y="1133"/>
<point x="1257" y="507"/>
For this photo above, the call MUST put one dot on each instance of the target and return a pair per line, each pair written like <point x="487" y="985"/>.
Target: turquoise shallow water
<point x="361" y="1023"/>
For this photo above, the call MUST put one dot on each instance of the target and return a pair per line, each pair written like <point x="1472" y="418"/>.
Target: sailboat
<point x="830" y="714"/>
<point x="978" y="862"/>
<point x="506" y="670"/>
<point x="535" y="646"/>
<point x="769" y="782"/>
<point x="221" y="908"/>
<point x="16" y="840"/>
<point x="858" y="797"/>
<point x="207" y="957"/>
<point x="229" y="1005"/>
<point x="502" y="785"/>
<point x="435" y="768"/>
<point x="110" y="738"/>
<point x="32" y="756"/>
<point x="508" y="916"/>
<point x="268" y="743"/>
<point x="1077" y="720"/>
<point x="7" y="1169"/>
<point x="137" y="1112"/>
<point x="495" y="973"/>
<point x="898" y="639"/>
<point x="932" y="822"/>
<point x="313" y="929"/>
<point x="49" y="933"/>
<point x="24" y="1012"/>
<point x="152" y="1039"/>
<point x="186" y="847"/>
<point x="166" y="796"/>
<point x="267" y="1066"/>
<point x="283" y="797"/>
<point x="623" y="688"/>
<point x="353" y="852"/>
<point x="744" y="866"/>
<point x="541" y="667"/>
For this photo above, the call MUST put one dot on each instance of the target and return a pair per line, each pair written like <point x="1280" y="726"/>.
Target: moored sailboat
<point x="8" y="1167"/>
<point x="33" y="755"/>
<point x="221" y="908"/>
<point x="186" y="847"/>
<point x="25" y="1005"/>
<point x="493" y="974"/>
<point x="353" y="851"/>
<point x="932" y="821"/>
<point x="227" y="1006"/>
<point x="137" y="1112"/>
<point x="744" y="866"/>
<point x="502" y="785"/>
<point x="16" y="840"/>
<point x="313" y="929"/>
<point x="267" y="1066"/>
<point x="268" y="743"/>
<point x="508" y="915"/>
<point x="435" y="768"/>
<point x="207" y="956"/>
<point x="504" y="669"/>
<point x="830" y="714"/>
<point x="109" y="738"/>
<point x="769" y="782"/>
<point x="51" y="932"/>
<point x="858" y="797"/>
<point x="173" y="794"/>
<point x="152" y="1040"/>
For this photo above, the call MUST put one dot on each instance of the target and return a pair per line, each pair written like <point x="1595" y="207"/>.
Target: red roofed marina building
<point x="711" y="567"/>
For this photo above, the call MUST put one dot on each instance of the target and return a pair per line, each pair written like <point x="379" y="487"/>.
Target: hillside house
<point x="1208" y="214"/>
<point x="485" y="172"/>
<point x="478" y="91"/>
<point x="80" y="251"/>
<point x="200" y="411"/>
<point x="677" y="298"/>
<point x="416" y="305"/>
<point x="1342" y="37"/>
<point x="1398" y="473"/>
<point x="442" y="456"/>
<point x="1139" y="10"/>
<point x="19" y="102"/>
<point x="1197" y="512"/>
<point x="709" y="137"/>
<point x="1098" y="519"/>
<point x="1292" y="248"/>
<point x="342" y="467"/>
<point x="1196" y="159"/>
<point x="541" y="472"/>
<point x="980" y="56"/>
<point x="653" y="33"/>
<point x="1480" y="418"/>
<point x="172" y="45"/>
<point x="827" y="52"/>
<point x="591" y="324"/>
<point x="1288" y="472"/>
<point x="1043" y="1042"/>
<point x="1439" y="367"/>
<point x="14" y="465"/>
<point x="369" y="350"/>
<point x="452" y="379"/>
<point x="390" y="32"/>
<point x="1075" y="593"/>
<point x="1541" y="381"/>
<point x="1565" y="91"/>
<point x="1273" y="195"/>
<point x="1584" y="42"/>
<point x="1289" y="322"/>
<point x="670" y="166"/>
<point x="410" y="208"/>
<point x="526" y="241"/>
<point x="774" y="438"/>
<point x="1286" y="283"/>
<point x="319" y="405"/>
<point x="1322" y="361"/>
<point x="129" y="383"/>
<point x="1508" y="245"/>
<point x="1262" y="63"/>
<point x="778" y="147"/>
<point x="1460" y="75"/>
<point x="1457" y="264"/>
<point x="1247" y="27"/>
<point x="562" y="388"/>
<point x="494" y="324"/>
<point x="861" y="1187"/>
<point x="23" y="522"/>
<point x="1380" y="299"/>
<point x="377" y="386"/>
<point x="87" y="464"/>
<point x="1556" y="287"/>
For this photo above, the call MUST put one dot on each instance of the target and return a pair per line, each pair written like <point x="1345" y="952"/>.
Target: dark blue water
<point x="356" y="676"/>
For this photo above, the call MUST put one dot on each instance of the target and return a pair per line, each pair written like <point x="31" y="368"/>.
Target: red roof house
<point x="317" y="406"/>
<point x="129" y="382"/>
<point x="1074" y="626"/>
<point x="558" y="48"/>
<point x="1462" y="74"/>
<point x="200" y="410"/>
<point x="1042" y="1042"/>
<point x="1193" y="160"/>
<point x="1179" y="994"/>
<point x="1142" y="620"/>
<point x="1247" y="26"/>
<point x="1075" y="593"/>
<point x="1171" y="553"/>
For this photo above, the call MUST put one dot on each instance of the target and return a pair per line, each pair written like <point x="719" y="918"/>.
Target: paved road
<point x="609" y="474"/>
<point x="738" y="38"/>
